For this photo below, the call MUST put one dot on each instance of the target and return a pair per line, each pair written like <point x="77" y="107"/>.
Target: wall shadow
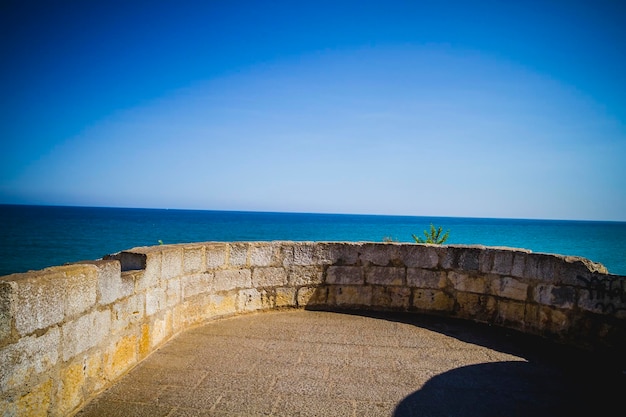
<point x="511" y="389"/>
<point x="555" y="380"/>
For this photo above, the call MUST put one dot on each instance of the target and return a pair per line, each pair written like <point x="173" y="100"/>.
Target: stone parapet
<point x="68" y="332"/>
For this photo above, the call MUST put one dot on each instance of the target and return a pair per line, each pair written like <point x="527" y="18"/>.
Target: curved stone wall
<point x="68" y="332"/>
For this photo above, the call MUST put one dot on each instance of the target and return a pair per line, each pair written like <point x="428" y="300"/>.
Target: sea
<point x="36" y="237"/>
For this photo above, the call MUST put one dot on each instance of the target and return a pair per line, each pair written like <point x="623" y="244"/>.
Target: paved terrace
<point x="314" y="363"/>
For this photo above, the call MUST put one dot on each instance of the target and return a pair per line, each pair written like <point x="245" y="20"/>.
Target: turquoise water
<point x="34" y="237"/>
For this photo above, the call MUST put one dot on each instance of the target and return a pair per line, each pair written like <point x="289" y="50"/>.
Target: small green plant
<point x="433" y="236"/>
<point x="389" y="239"/>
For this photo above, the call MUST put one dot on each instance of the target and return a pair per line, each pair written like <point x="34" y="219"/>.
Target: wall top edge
<point x="583" y="263"/>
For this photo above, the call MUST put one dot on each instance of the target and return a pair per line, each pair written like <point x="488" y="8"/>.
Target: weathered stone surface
<point x="194" y="284"/>
<point x="468" y="283"/>
<point x="509" y="287"/>
<point x="160" y="329"/>
<point x="193" y="259"/>
<point x="121" y="356"/>
<point x="29" y="357"/>
<point x="345" y="275"/>
<point x="347" y="295"/>
<point x="7" y="309"/>
<point x="425" y="278"/>
<point x="432" y="300"/>
<point x="39" y="300"/>
<point x="155" y="300"/>
<point x="85" y="332"/>
<point x="264" y="254"/>
<point x="556" y="296"/>
<point x="112" y="284"/>
<point x="238" y="254"/>
<point x="232" y="278"/>
<point x="269" y="277"/>
<point x="312" y="296"/>
<point x="69" y="393"/>
<point x="304" y="275"/>
<point x="127" y="312"/>
<point x="250" y="300"/>
<point x="381" y="255"/>
<point x="216" y="255"/>
<point x="394" y="297"/>
<point x="80" y="285"/>
<point x="380" y="275"/>
<point x="171" y="263"/>
<point x="420" y="256"/>
<point x="286" y="297"/>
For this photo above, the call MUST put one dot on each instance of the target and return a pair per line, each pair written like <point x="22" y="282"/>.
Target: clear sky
<point x="438" y="108"/>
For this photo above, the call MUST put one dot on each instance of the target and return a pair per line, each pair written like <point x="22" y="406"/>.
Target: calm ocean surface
<point x="35" y="237"/>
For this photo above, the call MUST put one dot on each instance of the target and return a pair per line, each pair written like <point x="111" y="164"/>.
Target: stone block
<point x="37" y="402"/>
<point x="425" y="278"/>
<point x="230" y="279"/>
<point x="510" y="314"/>
<point x="432" y="300"/>
<point x="29" y="357"/>
<point x="80" y="287"/>
<point x="312" y="296"/>
<point x="338" y="253"/>
<point x="304" y="275"/>
<point x="221" y="305"/>
<point x="251" y="300"/>
<point x="509" y="287"/>
<point x="385" y="275"/>
<point x="391" y="297"/>
<point x="379" y="254"/>
<point x="269" y="277"/>
<point x="173" y="292"/>
<point x="552" y="320"/>
<point x="519" y="264"/>
<point x="152" y="273"/>
<point x="160" y="329"/>
<point x="38" y="299"/>
<point x="171" y="263"/>
<point x="195" y="284"/>
<point x="7" y="310"/>
<point x="557" y="296"/>
<point x="464" y="258"/>
<point x="216" y="254"/>
<point x="476" y="306"/>
<point x="350" y="295"/>
<point x="121" y="356"/>
<point x="303" y="254"/>
<point x="420" y="256"/>
<point x="94" y="371"/>
<point x="544" y="268"/>
<point x="85" y="332"/>
<point x="127" y="312"/>
<point x="264" y="254"/>
<point x="345" y="275"/>
<point x="193" y="259"/>
<point x="156" y="299"/>
<point x="112" y="284"/>
<point x="238" y="254"/>
<point x="69" y="392"/>
<point x="502" y="262"/>
<point x="468" y="283"/>
<point x="286" y="297"/>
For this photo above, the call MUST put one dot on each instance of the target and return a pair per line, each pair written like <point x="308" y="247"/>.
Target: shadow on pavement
<point x="555" y="380"/>
<point x="510" y="389"/>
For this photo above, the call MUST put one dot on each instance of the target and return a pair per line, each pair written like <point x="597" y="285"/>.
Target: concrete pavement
<point x="313" y="363"/>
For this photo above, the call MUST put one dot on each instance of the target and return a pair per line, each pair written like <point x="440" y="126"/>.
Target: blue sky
<point x="435" y="108"/>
